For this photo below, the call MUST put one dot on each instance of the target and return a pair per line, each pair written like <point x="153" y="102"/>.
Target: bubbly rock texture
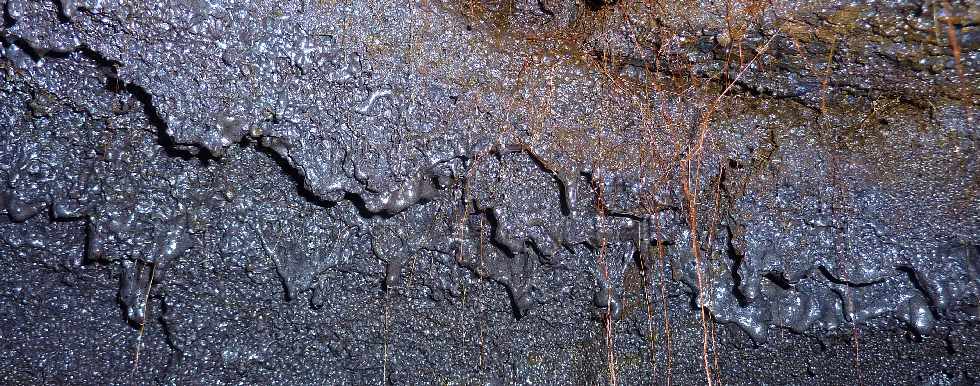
<point x="550" y="191"/>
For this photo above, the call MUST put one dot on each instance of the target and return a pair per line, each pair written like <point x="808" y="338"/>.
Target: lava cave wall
<point x="548" y="191"/>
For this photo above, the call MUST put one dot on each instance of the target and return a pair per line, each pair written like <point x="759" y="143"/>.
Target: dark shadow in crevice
<point x="294" y="174"/>
<point x="779" y="279"/>
<point x="544" y="8"/>
<point x="917" y="284"/>
<point x="8" y="21"/>
<point x="493" y="224"/>
<point x="304" y="191"/>
<point x="836" y="280"/>
<point x="737" y="259"/>
<point x="596" y="5"/>
<point x="164" y="140"/>
<point x="116" y="85"/>
<point x="35" y="53"/>
<point x="62" y="12"/>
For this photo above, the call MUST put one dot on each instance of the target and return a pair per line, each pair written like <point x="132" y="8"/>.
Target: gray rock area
<point x="489" y="192"/>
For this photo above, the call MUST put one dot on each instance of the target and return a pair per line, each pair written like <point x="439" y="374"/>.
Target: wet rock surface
<point x="489" y="192"/>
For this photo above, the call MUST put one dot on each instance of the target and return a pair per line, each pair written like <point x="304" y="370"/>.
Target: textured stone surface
<point x="493" y="192"/>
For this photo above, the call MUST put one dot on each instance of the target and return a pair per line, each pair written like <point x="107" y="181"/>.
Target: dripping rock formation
<point x="488" y="191"/>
